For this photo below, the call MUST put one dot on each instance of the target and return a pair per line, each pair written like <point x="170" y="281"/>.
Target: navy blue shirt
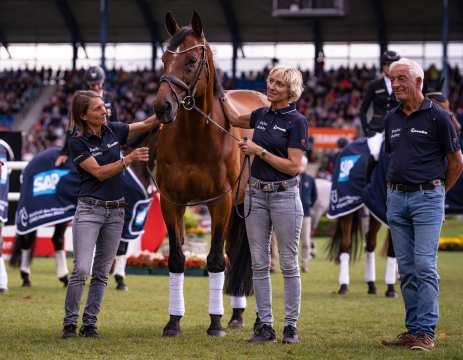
<point x="419" y="144"/>
<point x="308" y="192"/>
<point x="105" y="149"/>
<point x="276" y="131"/>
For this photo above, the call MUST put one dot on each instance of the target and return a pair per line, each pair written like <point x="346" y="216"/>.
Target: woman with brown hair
<point x="95" y="150"/>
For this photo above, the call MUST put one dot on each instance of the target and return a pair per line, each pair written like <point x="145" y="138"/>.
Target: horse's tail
<point x="238" y="275"/>
<point x="334" y="245"/>
<point x="21" y="242"/>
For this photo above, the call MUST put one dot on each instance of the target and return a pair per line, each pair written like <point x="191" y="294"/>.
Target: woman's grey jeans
<point x="281" y="211"/>
<point x="94" y="228"/>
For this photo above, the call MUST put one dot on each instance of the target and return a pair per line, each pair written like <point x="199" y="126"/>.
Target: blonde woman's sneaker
<point x="290" y="335"/>
<point x="263" y="333"/>
<point x="69" y="331"/>
<point x="423" y="342"/>
<point x="404" y="339"/>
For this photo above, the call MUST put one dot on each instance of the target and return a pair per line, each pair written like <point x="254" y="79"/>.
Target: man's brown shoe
<point x="404" y="339"/>
<point x="423" y="342"/>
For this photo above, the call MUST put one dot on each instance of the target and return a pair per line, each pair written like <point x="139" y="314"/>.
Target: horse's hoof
<point x="236" y="324"/>
<point x="121" y="285"/>
<point x="2" y="290"/>
<point x="343" y="289"/>
<point x="236" y="321"/>
<point x="172" y="328"/>
<point x="390" y="292"/>
<point x="64" y="279"/>
<point x="372" y="288"/>
<point x="216" y="329"/>
<point x="216" y="332"/>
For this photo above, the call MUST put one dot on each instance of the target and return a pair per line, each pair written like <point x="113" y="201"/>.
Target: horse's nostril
<point x="167" y="107"/>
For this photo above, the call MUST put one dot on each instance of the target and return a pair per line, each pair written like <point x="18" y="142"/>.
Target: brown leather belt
<point x="272" y="186"/>
<point x="430" y="185"/>
<point x="107" y="204"/>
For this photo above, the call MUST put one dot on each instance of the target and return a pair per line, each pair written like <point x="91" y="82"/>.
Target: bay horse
<point x="198" y="161"/>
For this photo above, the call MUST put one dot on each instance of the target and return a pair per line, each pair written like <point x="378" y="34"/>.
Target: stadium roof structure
<point x="235" y="21"/>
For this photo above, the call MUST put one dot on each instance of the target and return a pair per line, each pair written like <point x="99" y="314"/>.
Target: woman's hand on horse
<point x="139" y="154"/>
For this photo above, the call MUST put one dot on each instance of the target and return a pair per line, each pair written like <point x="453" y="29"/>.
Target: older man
<point x="425" y="162"/>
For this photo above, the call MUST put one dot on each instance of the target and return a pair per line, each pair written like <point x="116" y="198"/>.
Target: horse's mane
<point x="175" y="42"/>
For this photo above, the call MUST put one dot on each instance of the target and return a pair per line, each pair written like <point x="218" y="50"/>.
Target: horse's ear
<point x="171" y="24"/>
<point x="196" y="24"/>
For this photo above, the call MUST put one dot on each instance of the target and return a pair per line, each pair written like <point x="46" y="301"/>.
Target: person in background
<point x="308" y="193"/>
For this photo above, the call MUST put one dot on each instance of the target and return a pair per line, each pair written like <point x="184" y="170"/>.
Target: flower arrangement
<point x="155" y="260"/>
<point x="451" y="243"/>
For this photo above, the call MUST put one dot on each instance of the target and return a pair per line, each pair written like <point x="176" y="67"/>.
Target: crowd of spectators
<point x="18" y="88"/>
<point x="331" y="99"/>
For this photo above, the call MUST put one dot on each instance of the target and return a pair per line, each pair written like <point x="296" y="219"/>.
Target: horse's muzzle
<point x="166" y="111"/>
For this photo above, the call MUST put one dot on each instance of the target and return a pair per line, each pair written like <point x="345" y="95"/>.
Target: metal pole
<point x="103" y="30"/>
<point x="75" y="50"/>
<point x="154" y="55"/>
<point x="235" y="55"/>
<point x="445" y="40"/>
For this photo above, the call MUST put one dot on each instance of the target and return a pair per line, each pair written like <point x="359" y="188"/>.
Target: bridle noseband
<point x="188" y="101"/>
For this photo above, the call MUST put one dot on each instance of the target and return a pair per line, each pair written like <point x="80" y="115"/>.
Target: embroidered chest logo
<point x="395" y="133"/>
<point x="423" y="132"/>
<point x="112" y="144"/>
<point x="262" y="125"/>
<point x="276" y="127"/>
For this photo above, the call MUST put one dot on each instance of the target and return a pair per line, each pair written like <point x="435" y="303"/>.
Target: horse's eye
<point x="190" y="62"/>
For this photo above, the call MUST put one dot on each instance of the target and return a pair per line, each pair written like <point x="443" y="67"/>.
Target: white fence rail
<point x="15" y="165"/>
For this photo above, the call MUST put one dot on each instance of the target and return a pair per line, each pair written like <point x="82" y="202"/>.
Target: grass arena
<point x="331" y="327"/>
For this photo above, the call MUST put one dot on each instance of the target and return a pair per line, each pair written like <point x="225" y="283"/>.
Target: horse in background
<point x="354" y="224"/>
<point x="198" y="161"/>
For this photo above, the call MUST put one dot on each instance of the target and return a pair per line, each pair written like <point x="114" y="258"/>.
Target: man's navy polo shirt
<point x="105" y="149"/>
<point x="276" y="131"/>
<point x="419" y="144"/>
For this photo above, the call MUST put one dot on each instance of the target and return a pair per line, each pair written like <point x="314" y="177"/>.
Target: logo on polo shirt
<point x="413" y="130"/>
<point x="346" y="164"/>
<point x="275" y="127"/>
<point x="395" y="133"/>
<point x="112" y="144"/>
<point x="45" y="183"/>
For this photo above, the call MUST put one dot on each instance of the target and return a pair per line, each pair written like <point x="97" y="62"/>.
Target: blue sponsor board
<point x="44" y="183"/>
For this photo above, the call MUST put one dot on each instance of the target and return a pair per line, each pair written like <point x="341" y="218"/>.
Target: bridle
<point x="188" y="101"/>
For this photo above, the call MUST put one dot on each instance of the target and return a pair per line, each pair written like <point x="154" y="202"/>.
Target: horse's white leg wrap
<point x="374" y="143"/>
<point x="26" y="261"/>
<point x="216" y="281"/>
<point x="344" y="268"/>
<point x="3" y="275"/>
<point x="391" y="266"/>
<point x="119" y="265"/>
<point x="61" y="264"/>
<point x="238" y="302"/>
<point x="176" y="300"/>
<point x="370" y="267"/>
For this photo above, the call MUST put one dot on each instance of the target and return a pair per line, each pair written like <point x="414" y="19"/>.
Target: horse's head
<point x="188" y="69"/>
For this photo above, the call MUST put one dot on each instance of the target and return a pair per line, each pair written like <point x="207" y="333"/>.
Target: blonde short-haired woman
<point x="278" y="144"/>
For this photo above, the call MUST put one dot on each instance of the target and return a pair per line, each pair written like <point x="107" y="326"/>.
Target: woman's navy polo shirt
<point x="105" y="149"/>
<point x="419" y="144"/>
<point x="276" y="131"/>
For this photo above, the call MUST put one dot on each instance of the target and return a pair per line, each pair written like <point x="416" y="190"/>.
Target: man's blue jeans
<point x="415" y="220"/>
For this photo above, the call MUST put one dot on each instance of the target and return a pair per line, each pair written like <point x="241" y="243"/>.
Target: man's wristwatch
<point x="263" y="154"/>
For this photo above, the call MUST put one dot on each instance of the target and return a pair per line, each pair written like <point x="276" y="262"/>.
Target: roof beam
<point x="150" y="22"/>
<point x="71" y="23"/>
<point x="232" y="24"/>
<point x="4" y="42"/>
<point x="319" y="58"/>
<point x="378" y="13"/>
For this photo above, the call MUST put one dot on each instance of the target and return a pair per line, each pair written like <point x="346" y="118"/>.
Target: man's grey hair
<point x="414" y="68"/>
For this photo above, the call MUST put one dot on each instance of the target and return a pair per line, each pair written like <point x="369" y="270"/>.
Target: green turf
<point x="331" y="327"/>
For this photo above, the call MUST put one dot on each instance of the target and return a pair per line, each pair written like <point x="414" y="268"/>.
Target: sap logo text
<point x="44" y="183"/>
